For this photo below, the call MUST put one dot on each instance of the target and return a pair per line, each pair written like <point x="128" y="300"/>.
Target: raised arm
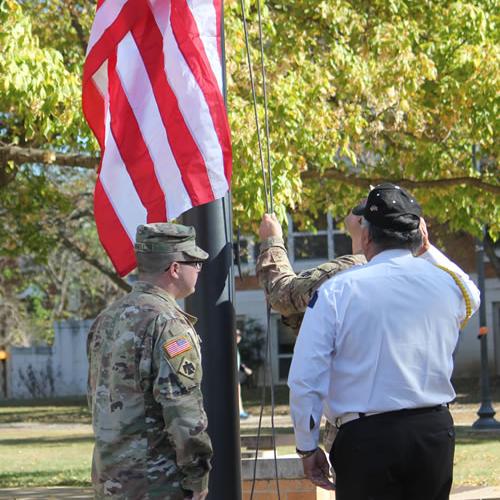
<point x="288" y="292"/>
<point x="467" y="287"/>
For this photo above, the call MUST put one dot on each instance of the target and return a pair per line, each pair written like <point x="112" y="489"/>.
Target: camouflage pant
<point x="141" y="490"/>
<point x="329" y="436"/>
<point x="164" y="494"/>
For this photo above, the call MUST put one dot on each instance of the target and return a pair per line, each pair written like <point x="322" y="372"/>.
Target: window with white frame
<point x="308" y="249"/>
<point x="249" y="251"/>
<point x="285" y="341"/>
<point x="305" y="249"/>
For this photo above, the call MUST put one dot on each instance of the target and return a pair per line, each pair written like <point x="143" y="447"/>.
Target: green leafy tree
<point x="363" y="91"/>
<point x="359" y="91"/>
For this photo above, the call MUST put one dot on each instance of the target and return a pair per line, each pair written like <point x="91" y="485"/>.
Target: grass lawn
<point x="71" y="410"/>
<point x="61" y="457"/>
<point x="45" y="455"/>
<point x="477" y="458"/>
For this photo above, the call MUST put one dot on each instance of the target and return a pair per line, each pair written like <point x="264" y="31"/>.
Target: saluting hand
<point x="425" y="237"/>
<point x="317" y="470"/>
<point x="353" y="227"/>
<point x="270" y="227"/>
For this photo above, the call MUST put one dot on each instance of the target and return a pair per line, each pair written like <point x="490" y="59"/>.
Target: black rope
<point x="254" y="98"/>
<point x="266" y="114"/>
<point x="262" y="403"/>
<point x="273" y="430"/>
<point x="269" y="364"/>
<point x="269" y="205"/>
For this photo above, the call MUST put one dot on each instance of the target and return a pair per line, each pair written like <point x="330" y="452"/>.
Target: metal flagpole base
<point x="486" y="423"/>
<point x="486" y="418"/>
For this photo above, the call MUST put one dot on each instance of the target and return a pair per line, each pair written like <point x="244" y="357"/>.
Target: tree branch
<point x="407" y="183"/>
<point x="32" y="155"/>
<point x="20" y="155"/>
<point x="75" y="22"/>
<point x="95" y="263"/>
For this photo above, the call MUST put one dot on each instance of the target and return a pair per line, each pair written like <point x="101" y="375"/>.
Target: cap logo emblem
<point x="374" y="208"/>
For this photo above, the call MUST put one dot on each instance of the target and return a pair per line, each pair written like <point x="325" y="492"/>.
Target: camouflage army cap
<point x="159" y="244"/>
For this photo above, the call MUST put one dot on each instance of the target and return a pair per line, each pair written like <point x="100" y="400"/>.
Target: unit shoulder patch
<point x="188" y="368"/>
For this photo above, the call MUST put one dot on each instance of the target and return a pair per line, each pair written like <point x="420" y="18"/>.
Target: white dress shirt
<point x="377" y="338"/>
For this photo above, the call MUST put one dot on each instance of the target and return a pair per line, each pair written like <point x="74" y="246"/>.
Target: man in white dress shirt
<point x="374" y="354"/>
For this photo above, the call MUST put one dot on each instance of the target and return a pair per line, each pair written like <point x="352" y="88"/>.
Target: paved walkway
<point x="85" y="494"/>
<point x="46" y="493"/>
<point x="491" y="493"/>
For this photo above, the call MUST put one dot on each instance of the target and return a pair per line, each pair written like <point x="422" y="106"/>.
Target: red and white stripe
<point x="177" y="346"/>
<point x="152" y="95"/>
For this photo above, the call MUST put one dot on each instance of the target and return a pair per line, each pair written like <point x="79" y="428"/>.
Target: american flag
<point x="152" y="95"/>
<point x="177" y="346"/>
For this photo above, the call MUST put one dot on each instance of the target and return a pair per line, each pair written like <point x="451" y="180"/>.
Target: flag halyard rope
<point x="269" y="206"/>
<point x="254" y="99"/>
<point x="266" y="113"/>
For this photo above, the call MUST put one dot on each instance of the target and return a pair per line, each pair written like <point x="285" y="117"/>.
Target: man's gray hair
<point x="387" y="239"/>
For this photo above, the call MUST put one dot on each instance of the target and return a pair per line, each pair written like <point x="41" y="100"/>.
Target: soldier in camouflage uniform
<point x="144" y="378"/>
<point x="287" y="292"/>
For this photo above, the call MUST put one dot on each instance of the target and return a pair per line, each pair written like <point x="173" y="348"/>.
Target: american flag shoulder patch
<point x="176" y="346"/>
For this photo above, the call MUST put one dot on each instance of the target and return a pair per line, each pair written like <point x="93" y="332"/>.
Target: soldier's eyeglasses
<point x="197" y="264"/>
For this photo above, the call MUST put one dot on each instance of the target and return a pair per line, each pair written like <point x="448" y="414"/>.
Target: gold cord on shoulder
<point x="468" y="306"/>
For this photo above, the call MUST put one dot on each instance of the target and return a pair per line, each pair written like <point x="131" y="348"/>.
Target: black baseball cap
<point x="390" y="207"/>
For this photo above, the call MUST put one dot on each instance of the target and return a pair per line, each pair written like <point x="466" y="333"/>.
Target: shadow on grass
<point x="71" y="477"/>
<point x="49" y="440"/>
<point x="468" y="435"/>
<point x="63" y="410"/>
<point x="60" y="401"/>
<point x="49" y="414"/>
<point x="469" y="390"/>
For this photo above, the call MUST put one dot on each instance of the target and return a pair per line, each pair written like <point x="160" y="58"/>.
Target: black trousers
<point x="401" y="455"/>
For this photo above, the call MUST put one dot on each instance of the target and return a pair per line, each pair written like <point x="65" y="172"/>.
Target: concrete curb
<point x="482" y="493"/>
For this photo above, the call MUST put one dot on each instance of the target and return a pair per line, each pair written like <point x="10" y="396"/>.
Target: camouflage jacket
<point x="287" y="292"/>
<point x="144" y="393"/>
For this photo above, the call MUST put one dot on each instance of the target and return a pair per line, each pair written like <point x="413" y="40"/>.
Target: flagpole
<point x="212" y="304"/>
